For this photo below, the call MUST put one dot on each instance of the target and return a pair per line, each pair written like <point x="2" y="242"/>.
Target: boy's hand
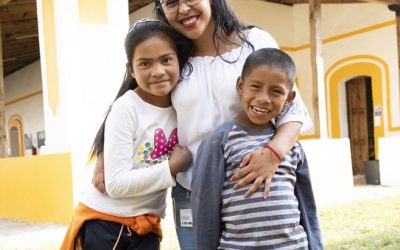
<point x="98" y="174"/>
<point x="180" y="159"/>
<point x="258" y="166"/>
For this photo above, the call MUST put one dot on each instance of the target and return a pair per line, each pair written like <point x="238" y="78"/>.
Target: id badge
<point x="185" y="216"/>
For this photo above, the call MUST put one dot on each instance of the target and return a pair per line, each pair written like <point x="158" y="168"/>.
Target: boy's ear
<point x="239" y="86"/>
<point x="290" y="98"/>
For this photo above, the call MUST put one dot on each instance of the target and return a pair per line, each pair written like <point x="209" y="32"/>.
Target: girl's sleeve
<point x="207" y="184"/>
<point x="297" y="111"/>
<point x="122" y="179"/>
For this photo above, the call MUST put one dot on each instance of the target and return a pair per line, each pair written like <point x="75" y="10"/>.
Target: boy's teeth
<point x="259" y="110"/>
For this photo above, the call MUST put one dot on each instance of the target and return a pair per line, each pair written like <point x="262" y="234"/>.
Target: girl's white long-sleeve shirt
<point x="139" y="138"/>
<point x="208" y="97"/>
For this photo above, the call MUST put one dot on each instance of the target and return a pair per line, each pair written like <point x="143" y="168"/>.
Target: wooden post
<point x="3" y="139"/>
<point x="317" y="68"/>
<point x="396" y="9"/>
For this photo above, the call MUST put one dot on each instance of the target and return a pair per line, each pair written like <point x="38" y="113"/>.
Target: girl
<point x="141" y="153"/>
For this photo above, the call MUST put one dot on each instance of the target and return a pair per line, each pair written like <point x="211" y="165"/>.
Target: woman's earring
<point x="133" y="75"/>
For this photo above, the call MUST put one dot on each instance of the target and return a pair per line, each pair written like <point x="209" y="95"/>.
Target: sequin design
<point x="158" y="151"/>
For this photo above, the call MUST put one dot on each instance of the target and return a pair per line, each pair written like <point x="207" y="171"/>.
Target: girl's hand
<point x="180" y="159"/>
<point x="258" y="166"/>
<point x="98" y="174"/>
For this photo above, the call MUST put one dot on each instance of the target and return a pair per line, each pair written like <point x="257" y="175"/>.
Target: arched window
<point x="16" y="133"/>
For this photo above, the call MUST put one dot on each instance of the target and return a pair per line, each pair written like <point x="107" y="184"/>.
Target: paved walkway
<point x="15" y="235"/>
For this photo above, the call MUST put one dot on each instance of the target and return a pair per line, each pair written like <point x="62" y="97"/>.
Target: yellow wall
<point x="37" y="188"/>
<point x="93" y="11"/>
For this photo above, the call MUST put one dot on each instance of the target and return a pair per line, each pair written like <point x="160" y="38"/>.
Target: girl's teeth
<point x="189" y="21"/>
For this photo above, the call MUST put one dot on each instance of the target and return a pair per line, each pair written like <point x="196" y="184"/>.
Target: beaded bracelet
<point x="273" y="151"/>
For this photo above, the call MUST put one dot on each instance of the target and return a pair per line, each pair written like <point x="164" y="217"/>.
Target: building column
<point x="83" y="62"/>
<point x="317" y="67"/>
<point x="3" y="129"/>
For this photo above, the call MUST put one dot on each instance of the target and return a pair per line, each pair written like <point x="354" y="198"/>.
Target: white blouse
<point x="208" y="97"/>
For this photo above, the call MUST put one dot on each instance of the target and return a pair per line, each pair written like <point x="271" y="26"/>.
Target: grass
<point x="373" y="224"/>
<point x="364" y="225"/>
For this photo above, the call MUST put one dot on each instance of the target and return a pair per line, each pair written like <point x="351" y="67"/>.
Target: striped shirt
<point x="244" y="223"/>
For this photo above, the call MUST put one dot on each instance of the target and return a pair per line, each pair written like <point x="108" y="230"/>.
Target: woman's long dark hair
<point x="138" y="33"/>
<point x="225" y="24"/>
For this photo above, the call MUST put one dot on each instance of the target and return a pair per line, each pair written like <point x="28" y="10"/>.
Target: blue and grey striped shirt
<point x="223" y="217"/>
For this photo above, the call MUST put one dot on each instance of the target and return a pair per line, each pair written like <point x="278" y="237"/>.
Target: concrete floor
<point x="16" y="235"/>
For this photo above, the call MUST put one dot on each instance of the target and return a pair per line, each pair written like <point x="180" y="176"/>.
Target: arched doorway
<point x="355" y="93"/>
<point x="16" y="133"/>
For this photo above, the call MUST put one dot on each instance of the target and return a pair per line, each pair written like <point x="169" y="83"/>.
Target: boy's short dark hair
<point x="273" y="58"/>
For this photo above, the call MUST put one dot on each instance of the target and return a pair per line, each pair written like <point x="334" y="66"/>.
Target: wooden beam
<point x="3" y="130"/>
<point x="3" y="2"/>
<point x="387" y="2"/>
<point x="292" y="2"/>
<point x="317" y="68"/>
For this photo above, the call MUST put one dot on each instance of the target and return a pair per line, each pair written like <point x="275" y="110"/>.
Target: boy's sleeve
<point x="308" y="209"/>
<point x="207" y="184"/>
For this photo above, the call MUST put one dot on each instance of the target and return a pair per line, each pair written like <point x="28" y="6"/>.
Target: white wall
<point x="389" y="165"/>
<point x="330" y="168"/>
<point x="91" y="59"/>
<point x="277" y="19"/>
<point x="20" y="84"/>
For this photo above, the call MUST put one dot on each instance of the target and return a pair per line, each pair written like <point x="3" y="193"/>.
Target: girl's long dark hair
<point x="225" y="24"/>
<point x="139" y="32"/>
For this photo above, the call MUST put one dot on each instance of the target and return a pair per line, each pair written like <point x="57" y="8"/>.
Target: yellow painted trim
<point x="17" y="122"/>
<point x="359" y="31"/>
<point x="343" y="36"/>
<point x="20" y="99"/>
<point x="93" y="11"/>
<point x="385" y="66"/>
<point x="307" y="137"/>
<point x="295" y="49"/>
<point x="359" y="67"/>
<point x="50" y="54"/>
<point x="37" y="188"/>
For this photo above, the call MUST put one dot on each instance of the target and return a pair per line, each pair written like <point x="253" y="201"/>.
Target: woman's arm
<point x="98" y="174"/>
<point x="260" y="165"/>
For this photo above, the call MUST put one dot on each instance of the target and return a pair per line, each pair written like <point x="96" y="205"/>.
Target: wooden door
<point x="358" y="122"/>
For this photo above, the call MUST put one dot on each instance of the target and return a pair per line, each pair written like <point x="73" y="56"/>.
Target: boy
<point x="223" y="218"/>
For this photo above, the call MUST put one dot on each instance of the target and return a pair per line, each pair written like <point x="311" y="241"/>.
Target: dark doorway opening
<point x="360" y="124"/>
